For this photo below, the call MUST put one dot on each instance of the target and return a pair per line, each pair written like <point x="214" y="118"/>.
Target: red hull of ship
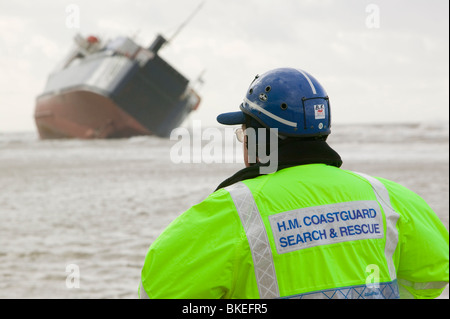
<point x="83" y="114"/>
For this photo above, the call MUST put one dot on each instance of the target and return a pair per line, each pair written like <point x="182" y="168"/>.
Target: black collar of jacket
<point x="291" y="153"/>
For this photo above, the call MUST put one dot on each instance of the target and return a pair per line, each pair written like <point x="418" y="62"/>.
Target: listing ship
<point x="113" y="90"/>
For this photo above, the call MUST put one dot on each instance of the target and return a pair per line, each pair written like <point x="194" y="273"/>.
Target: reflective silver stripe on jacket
<point x="382" y="290"/>
<point x="417" y="286"/>
<point x="423" y="285"/>
<point x="391" y="221"/>
<point x="266" y="277"/>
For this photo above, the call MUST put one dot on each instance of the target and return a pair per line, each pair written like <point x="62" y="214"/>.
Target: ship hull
<point x="122" y="90"/>
<point x="83" y="114"/>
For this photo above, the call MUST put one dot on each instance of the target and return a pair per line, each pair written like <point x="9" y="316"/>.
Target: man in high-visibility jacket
<point x="308" y="229"/>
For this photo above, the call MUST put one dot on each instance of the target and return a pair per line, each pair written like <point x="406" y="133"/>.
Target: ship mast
<point x="187" y="21"/>
<point x="161" y="41"/>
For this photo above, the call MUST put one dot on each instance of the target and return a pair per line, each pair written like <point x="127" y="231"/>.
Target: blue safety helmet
<point x="288" y="99"/>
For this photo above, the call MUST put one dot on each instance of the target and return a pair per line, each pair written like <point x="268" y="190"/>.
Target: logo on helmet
<point x="319" y="111"/>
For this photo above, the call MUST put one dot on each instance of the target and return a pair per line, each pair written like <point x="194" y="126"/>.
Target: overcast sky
<point x="379" y="60"/>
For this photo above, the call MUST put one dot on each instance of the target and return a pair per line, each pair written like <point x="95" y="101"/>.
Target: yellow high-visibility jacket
<point x="309" y="231"/>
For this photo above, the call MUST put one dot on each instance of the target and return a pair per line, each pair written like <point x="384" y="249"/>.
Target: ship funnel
<point x="157" y="43"/>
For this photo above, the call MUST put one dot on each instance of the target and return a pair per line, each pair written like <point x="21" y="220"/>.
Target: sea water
<point x="77" y="216"/>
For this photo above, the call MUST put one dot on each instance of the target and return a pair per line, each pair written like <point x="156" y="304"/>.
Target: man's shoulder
<point x="399" y="190"/>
